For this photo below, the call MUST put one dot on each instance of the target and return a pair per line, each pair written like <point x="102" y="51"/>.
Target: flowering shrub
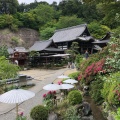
<point x="21" y="117"/>
<point x="113" y="60"/>
<point x="49" y="95"/>
<point x="92" y="70"/>
<point x="48" y="99"/>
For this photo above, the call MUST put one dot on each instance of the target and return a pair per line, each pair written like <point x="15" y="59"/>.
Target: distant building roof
<point x="16" y="49"/>
<point x="10" y="50"/>
<point x="41" y="45"/>
<point x="68" y="34"/>
<point x="20" y="49"/>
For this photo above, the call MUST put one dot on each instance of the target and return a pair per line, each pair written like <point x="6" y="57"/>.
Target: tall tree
<point x="68" y="21"/>
<point x="8" y="6"/>
<point x="44" y="14"/>
<point x="70" y="7"/>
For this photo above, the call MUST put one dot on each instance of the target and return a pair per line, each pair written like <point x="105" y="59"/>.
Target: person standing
<point x="86" y="54"/>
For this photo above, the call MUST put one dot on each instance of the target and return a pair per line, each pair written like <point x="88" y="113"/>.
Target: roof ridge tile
<point x="81" y="25"/>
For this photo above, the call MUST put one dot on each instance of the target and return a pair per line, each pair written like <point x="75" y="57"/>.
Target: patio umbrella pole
<point x="16" y="110"/>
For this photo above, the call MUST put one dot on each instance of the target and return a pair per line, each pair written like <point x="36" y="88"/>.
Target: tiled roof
<point x="68" y="34"/>
<point x="40" y="45"/>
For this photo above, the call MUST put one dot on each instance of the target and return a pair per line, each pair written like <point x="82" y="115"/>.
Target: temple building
<point x="63" y="38"/>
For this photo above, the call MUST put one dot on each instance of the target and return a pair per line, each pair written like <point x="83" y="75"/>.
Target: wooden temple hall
<point x="52" y="50"/>
<point x="46" y="51"/>
<point x="64" y="38"/>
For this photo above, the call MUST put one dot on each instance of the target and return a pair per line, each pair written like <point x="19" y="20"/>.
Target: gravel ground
<point x="29" y="104"/>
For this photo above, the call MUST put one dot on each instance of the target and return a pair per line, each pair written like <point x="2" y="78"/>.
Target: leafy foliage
<point x="98" y="30"/>
<point x="117" y="115"/>
<point x="39" y="113"/>
<point x="68" y="21"/>
<point x="78" y="60"/>
<point x="74" y="97"/>
<point x="71" y="114"/>
<point x="111" y="95"/>
<point x="113" y="60"/>
<point x="47" y="33"/>
<point x="7" y="70"/>
<point x="8" y="6"/>
<point x="74" y="75"/>
<point x="96" y="88"/>
<point x="3" y="51"/>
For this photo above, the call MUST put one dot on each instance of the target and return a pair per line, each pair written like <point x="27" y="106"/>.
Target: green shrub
<point x="74" y="97"/>
<point x="117" y="115"/>
<point x="95" y="92"/>
<point x="61" y="108"/>
<point x="39" y="113"/>
<point x="74" y="75"/>
<point x="78" y="60"/>
<point x="71" y="114"/>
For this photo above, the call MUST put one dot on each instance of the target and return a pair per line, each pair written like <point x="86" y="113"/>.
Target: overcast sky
<point x="30" y="1"/>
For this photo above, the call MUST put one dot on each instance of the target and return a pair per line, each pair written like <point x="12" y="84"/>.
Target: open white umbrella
<point x="71" y="81"/>
<point x="66" y="86"/>
<point x="63" y="76"/>
<point x="51" y="87"/>
<point x="16" y="96"/>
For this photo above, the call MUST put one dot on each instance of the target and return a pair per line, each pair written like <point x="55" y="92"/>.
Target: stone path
<point x="7" y="111"/>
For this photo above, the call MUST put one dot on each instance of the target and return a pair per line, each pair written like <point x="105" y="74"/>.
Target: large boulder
<point x="86" y="109"/>
<point x="52" y="116"/>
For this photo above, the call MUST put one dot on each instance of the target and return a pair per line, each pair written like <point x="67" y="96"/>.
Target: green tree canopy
<point x="68" y="21"/>
<point x="8" y="6"/>
<point x="44" y="14"/>
<point x="97" y="30"/>
<point x="3" y="51"/>
<point x="47" y="33"/>
<point x="7" y="70"/>
<point x="70" y="7"/>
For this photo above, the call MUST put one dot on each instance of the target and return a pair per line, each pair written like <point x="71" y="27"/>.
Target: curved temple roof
<point x="40" y="45"/>
<point x="68" y="34"/>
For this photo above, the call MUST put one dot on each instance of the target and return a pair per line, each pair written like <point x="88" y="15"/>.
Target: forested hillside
<point x="101" y="16"/>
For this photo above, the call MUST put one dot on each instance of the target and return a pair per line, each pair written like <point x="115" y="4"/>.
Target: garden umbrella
<point x="66" y="86"/>
<point x="71" y="81"/>
<point x="16" y="96"/>
<point x="63" y="76"/>
<point x="51" y="87"/>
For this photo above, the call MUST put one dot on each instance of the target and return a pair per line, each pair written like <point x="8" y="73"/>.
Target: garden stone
<point x="86" y="87"/>
<point x="85" y="90"/>
<point x="110" y="117"/>
<point x="86" y="109"/>
<point x="87" y="117"/>
<point x="52" y="116"/>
